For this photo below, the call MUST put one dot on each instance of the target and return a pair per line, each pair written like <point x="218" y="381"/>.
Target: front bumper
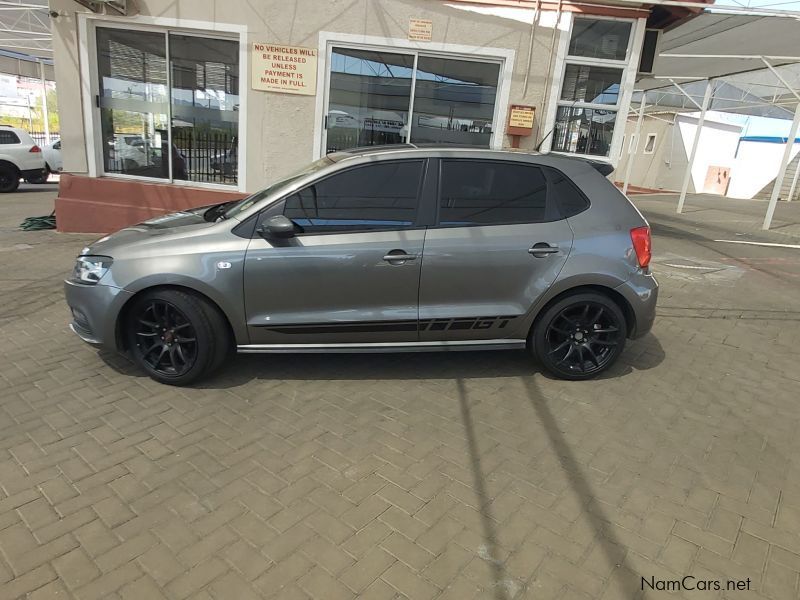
<point x="641" y="292"/>
<point x="95" y="309"/>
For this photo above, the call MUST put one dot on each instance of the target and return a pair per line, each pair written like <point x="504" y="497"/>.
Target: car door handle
<point x="541" y="249"/>
<point x="400" y="256"/>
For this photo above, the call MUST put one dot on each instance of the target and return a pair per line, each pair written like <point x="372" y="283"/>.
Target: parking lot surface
<point x="464" y="475"/>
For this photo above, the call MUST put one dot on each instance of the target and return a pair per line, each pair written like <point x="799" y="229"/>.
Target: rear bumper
<point x="95" y="309"/>
<point x="28" y="173"/>
<point x="641" y="292"/>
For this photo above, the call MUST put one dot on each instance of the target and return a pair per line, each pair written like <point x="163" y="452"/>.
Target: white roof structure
<point x="727" y="61"/>
<point x="25" y="27"/>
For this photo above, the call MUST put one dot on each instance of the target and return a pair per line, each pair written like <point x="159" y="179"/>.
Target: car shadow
<point x="238" y="370"/>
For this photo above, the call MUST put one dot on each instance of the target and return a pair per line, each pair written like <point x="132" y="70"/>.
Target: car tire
<point x="176" y="337"/>
<point x="579" y="336"/>
<point x="9" y="179"/>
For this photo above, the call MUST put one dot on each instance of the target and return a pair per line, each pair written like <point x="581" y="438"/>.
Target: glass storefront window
<point x="591" y="84"/>
<point x="454" y="101"/>
<point x="587" y="109"/>
<point x="139" y="113"/>
<point x="583" y="130"/>
<point x="371" y="100"/>
<point x="133" y="102"/>
<point x="205" y="108"/>
<point x="600" y="38"/>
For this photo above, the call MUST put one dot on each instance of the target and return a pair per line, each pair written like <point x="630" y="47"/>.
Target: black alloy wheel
<point x="581" y="336"/>
<point x="166" y="339"/>
<point x="177" y="336"/>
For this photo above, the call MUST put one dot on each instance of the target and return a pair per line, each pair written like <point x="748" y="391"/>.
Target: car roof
<point x="422" y="150"/>
<point x="453" y="150"/>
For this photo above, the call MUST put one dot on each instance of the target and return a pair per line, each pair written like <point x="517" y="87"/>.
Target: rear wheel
<point x="580" y="336"/>
<point x="9" y="179"/>
<point x="176" y="337"/>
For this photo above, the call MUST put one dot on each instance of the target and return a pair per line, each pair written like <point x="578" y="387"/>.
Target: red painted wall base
<point x="103" y="204"/>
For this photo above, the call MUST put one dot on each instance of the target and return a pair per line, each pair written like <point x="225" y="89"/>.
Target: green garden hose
<point x="39" y="223"/>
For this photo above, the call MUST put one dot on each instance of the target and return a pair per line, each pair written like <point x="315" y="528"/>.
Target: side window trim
<point x="552" y="212"/>
<point x="416" y="224"/>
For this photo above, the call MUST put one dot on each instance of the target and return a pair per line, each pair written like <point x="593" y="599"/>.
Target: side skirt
<point x="451" y="346"/>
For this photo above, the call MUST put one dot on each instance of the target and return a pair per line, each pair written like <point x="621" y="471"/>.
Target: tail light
<point x="35" y="148"/>
<point x="642" y="245"/>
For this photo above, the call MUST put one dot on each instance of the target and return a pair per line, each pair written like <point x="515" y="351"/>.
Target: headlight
<point x="90" y="269"/>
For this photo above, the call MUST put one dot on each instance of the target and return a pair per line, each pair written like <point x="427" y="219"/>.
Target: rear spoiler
<point x="604" y="168"/>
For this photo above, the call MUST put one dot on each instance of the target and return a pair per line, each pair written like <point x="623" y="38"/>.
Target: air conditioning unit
<point x="650" y="45"/>
<point x="119" y="7"/>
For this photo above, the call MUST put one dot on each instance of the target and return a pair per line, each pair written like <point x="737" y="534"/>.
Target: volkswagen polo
<point x="388" y="249"/>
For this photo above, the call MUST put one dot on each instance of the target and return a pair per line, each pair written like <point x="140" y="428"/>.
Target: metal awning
<point x="25" y="28"/>
<point x="743" y="63"/>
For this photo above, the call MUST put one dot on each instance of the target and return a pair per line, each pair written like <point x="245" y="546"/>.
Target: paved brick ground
<point x="430" y="476"/>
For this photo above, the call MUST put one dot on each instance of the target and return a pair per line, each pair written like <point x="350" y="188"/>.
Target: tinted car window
<point x="8" y="137"/>
<point x="475" y="192"/>
<point x="569" y="198"/>
<point x="378" y="196"/>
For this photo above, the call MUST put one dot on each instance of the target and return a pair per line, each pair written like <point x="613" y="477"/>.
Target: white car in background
<point x="52" y="157"/>
<point x="20" y="158"/>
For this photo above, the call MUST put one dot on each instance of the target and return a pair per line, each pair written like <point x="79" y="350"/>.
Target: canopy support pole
<point x="687" y="176"/>
<point x="792" y="189"/>
<point x="787" y="154"/>
<point x="45" y="110"/>
<point x="635" y="145"/>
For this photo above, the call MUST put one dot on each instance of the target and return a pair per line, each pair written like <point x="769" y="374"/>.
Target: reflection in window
<point x="583" y="130"/>
<point x="369" y="98"/>
<point x="133" y="101"/>
<point x="596" y="85"/>
<point x="379" y="196"/>
<point x="491" y="193"/>
<point x="137" y="107"/>
<point x="454" y="101"/>
<point x="600" y="38"/>
<point x="581" y="126"/>
<point x="205" y="105"/>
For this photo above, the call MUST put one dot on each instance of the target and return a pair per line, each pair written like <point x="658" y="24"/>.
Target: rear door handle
<point x="541" y="249"/>
<point x="399" y="255"/>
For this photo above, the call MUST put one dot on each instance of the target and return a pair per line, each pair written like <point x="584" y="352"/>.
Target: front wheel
<point x="176" y="337"/>
<point x="580" y="336"/>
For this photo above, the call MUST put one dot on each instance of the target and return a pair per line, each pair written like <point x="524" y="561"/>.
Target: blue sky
<point x="755" y="125"/>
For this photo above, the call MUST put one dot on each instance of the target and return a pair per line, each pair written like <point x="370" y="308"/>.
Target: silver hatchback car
<point x="381" y="250"/>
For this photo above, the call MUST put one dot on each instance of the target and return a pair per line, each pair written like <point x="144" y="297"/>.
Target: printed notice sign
<point x="420" y="30"/>
<point x="287" y="69"/>
<point x="521" y="116"/>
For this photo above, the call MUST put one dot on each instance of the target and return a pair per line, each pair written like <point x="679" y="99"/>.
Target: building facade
<point x="189" y="102"/>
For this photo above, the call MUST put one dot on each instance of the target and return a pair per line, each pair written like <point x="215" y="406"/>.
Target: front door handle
<point x="542" y="249"/>
<point x="397" y="256"/>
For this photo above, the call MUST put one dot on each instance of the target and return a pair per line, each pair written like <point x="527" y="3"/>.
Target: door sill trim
<point x="442" y="346"/>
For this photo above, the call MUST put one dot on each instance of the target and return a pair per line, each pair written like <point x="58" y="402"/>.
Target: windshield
<point x="245" y="203"/>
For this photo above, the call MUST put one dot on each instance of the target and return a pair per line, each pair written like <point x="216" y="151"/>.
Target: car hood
<point x="158" y="227"/>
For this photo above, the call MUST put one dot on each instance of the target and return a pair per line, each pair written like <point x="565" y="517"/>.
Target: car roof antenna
<point x="549" y="133"/>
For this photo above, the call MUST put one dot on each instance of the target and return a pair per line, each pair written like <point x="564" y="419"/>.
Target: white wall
<point x="717" y="147"/>
<point x="755" y="166"/>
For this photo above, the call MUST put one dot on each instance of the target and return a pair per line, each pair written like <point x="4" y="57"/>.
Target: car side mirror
<point x="278" y="226"/>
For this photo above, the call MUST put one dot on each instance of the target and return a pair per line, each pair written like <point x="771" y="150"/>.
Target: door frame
<point x="327" y="40"/>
